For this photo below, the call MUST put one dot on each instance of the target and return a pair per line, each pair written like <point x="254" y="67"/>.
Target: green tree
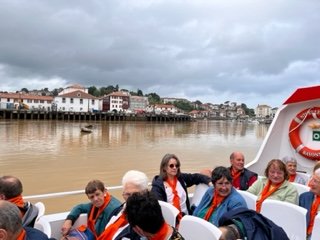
<point x="153" y="98"/>
<point x="248" y="111"/>
<point x="94" y="91"/>
<point x="139" y="92"/>
<point x="183" y="105"/>
<point x="24" y="90"/>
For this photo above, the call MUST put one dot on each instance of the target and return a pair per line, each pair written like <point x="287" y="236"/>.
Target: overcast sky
<point x="253" y="52"/>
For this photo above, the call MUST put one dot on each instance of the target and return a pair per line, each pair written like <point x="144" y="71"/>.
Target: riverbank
<point x="89" y="116"/>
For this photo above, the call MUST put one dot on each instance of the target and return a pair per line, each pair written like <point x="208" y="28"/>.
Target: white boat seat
<point x="301" y="188"/>
<point x="291" y="217"/>
<point x="316" y="228"/>
<point x="250" y="199"/>
<point x="56" y="220"/>
<point x="41" y="209"/>
<point x="43" y="225"/>
<point x="169" y="212"/>
<point x="194" y="228"/>
<point x="199" y="191"/>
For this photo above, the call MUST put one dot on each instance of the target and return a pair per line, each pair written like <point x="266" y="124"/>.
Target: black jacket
<point x="127" y="232"/>
<point x="186" y="180"/>
<point x="245" y="176"/>
<point x="256" y="226"/>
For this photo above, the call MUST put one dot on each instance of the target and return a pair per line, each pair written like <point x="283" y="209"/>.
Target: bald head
<point x="10" y="187"/>
<point x="237" y="161"/>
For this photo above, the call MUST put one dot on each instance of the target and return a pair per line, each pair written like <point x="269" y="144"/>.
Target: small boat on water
<point x="86" y="130"/>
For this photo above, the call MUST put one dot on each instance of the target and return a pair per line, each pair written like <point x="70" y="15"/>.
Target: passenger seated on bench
<point x="243" y="223"/>
<point x="291" y="164"/>
<point x="274" y="185"/>
<point x="220" y="198"/>
<point x="118" y="227"/>
<point x="311" y="200"/>
<point x="145" y="217"/>
<point x="11" y="224"/>
<point x="99" y="209"/>
<point x="11" y="190"/>
<point x="171" y="184"/>
<point x="242" y="178"/>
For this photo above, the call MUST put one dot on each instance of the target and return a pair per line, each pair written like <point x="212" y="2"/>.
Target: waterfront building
<point x="138" y="103"/>
<point x="166" y="100"/>
<point x="116" y="101"/>
<point x="163" y="108"/>
<point x="76" y="99"/>
<point x="25" y="101"/>
<point x="263" y="111"/>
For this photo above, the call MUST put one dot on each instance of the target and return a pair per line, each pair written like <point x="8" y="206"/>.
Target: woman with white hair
<point x="291" y="165"/>
<point x="311" y="200"/>
<point x="118" y="227"/>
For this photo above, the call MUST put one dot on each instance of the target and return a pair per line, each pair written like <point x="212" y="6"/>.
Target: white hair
<point x="137" y="178"/>
<point x="288" y="159"/>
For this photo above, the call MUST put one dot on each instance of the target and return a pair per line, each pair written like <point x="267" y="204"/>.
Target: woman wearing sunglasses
<point x="171" y="185"/>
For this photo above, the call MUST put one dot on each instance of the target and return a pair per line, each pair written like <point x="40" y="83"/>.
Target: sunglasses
<point x="174" y="165"/>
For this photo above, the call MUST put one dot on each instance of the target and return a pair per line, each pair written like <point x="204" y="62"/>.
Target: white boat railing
<point x="63" y="194"/>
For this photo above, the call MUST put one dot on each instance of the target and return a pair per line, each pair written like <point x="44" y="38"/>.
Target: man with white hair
<point x="291" y="165"/>
<point x="118" y="227"/>
<point x="311" y="200"/>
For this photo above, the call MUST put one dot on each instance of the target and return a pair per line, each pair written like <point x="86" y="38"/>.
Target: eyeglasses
<point x="174" y="165"/>
<point x="315" y="179"/>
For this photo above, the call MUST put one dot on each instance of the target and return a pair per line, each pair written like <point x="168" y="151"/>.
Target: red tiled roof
<point x="25" y="96"/>
<point x="119" y="94"/>
<point x="164" y="106"/>
<point x="78" y="94"/>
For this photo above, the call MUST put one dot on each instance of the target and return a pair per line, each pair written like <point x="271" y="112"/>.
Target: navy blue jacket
<point x="186" y="180"/>
<point x="255" y="225"/>
<point x="35" y="234"/>
<point x="127" y="232"/>
<point x="305" y="200"/>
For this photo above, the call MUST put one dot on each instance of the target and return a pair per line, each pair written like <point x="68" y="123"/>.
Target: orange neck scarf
<point x="176" y="198"/>
<point x="266" y="192"/>
<point x="17" y="201"/>
<point x="217" y="199"/>
<point x="313" y="213"/>
<point x="93" y="217"/>
<point x="113" y="228"/>
<point x="292" y="177"/>
<point x="235" y="174"/>
<point x="22" y="235"/>
<point x="162" y="234"/>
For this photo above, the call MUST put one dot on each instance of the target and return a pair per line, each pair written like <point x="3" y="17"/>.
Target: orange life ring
<point x="310" y="113"/>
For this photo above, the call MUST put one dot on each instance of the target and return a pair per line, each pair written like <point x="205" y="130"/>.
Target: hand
<point x="66" y="227"/>
<point x="206" y="172"/>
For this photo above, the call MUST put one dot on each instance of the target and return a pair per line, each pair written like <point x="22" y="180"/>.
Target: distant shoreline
<point x="9" y="114"/>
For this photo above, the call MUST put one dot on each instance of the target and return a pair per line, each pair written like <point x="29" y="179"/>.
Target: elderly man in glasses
<point x="171" y="185"/>
<point x="118" y="226"/>
<point x="311" y="200"/>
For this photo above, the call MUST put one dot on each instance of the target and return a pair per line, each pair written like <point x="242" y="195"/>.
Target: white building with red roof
<point x="25" y="101"/>
<point x="76" y="98"/>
